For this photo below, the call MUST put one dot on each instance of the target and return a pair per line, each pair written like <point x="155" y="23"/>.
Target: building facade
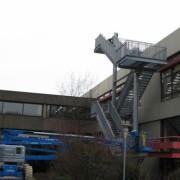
<point x="43" y="112"/>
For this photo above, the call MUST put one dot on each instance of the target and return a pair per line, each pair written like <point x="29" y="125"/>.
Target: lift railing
<point x="169" y="143"/>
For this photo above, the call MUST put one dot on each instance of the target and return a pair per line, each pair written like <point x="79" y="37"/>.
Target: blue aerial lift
<point x="17" y="147"/>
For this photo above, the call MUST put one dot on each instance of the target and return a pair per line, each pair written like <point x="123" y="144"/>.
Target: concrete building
<point x="43" y="112"/>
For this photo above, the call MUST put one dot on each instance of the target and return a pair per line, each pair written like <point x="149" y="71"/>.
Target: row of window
<point x="68" y="112"/>
<point x="20" y="108"/>
<point x="171" y="83"/>
<point x="28" y="109"/>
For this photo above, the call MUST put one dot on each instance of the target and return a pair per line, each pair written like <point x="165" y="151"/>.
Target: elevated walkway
<point x="166" y="147"/>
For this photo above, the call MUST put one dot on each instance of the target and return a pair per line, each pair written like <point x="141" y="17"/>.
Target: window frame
<point x="173" y="93"/>
<point x="41" y="113"/>
<point x="22" y="113"/>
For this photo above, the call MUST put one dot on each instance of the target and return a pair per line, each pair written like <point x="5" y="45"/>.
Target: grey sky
<point x="42" y="41"/>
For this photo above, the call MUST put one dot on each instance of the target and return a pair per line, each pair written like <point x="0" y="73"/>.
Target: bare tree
<point x="76" y="84"/>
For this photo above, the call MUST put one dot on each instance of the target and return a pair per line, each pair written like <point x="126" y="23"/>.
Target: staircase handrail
<point x="103" y="122"/>
<point x="125" y="91"/>
<point x="116" y="117"/>
<point x="107" y="47"/>
<point x="117" y="43"/>
<point x="142" y="49"/>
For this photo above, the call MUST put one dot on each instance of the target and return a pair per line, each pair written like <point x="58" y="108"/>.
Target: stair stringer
<point x="96" y="111"/>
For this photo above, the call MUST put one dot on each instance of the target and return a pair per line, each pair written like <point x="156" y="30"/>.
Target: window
<point x="32" y="110"/>
<point x="20" y="108"/>
<point x="1" y="106"/>
<point x="56" y="111"/>
<point x="18" y="150"/>
<point x="78" y="113"/>
<point x="171" y="127"/>
<point x="12" y="108"/>
<point x="171" y="83"/>
<point x="176" y="80"/>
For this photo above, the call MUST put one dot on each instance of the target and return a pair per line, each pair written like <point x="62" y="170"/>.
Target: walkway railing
<point x="166" y="143"/>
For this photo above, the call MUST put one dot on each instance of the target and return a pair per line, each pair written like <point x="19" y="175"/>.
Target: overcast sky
<point x="42" y="41"/>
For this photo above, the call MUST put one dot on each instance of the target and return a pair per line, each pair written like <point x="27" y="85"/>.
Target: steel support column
<point x="114" y="81"/>
<point x="136" y="101"/>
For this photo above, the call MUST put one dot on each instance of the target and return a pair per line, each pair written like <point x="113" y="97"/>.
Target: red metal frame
<point x="170" y="64"/>
<point x="166" y="147"/>
<point x="108" y="95"/>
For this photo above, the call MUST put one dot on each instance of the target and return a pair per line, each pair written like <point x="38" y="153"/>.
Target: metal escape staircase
<point x="143" y="59"/>
<point x="112" y="124"/>
<point x="124" y="103"/>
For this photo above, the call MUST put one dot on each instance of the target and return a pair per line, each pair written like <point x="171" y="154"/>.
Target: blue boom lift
<point x="17" y="147"/>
